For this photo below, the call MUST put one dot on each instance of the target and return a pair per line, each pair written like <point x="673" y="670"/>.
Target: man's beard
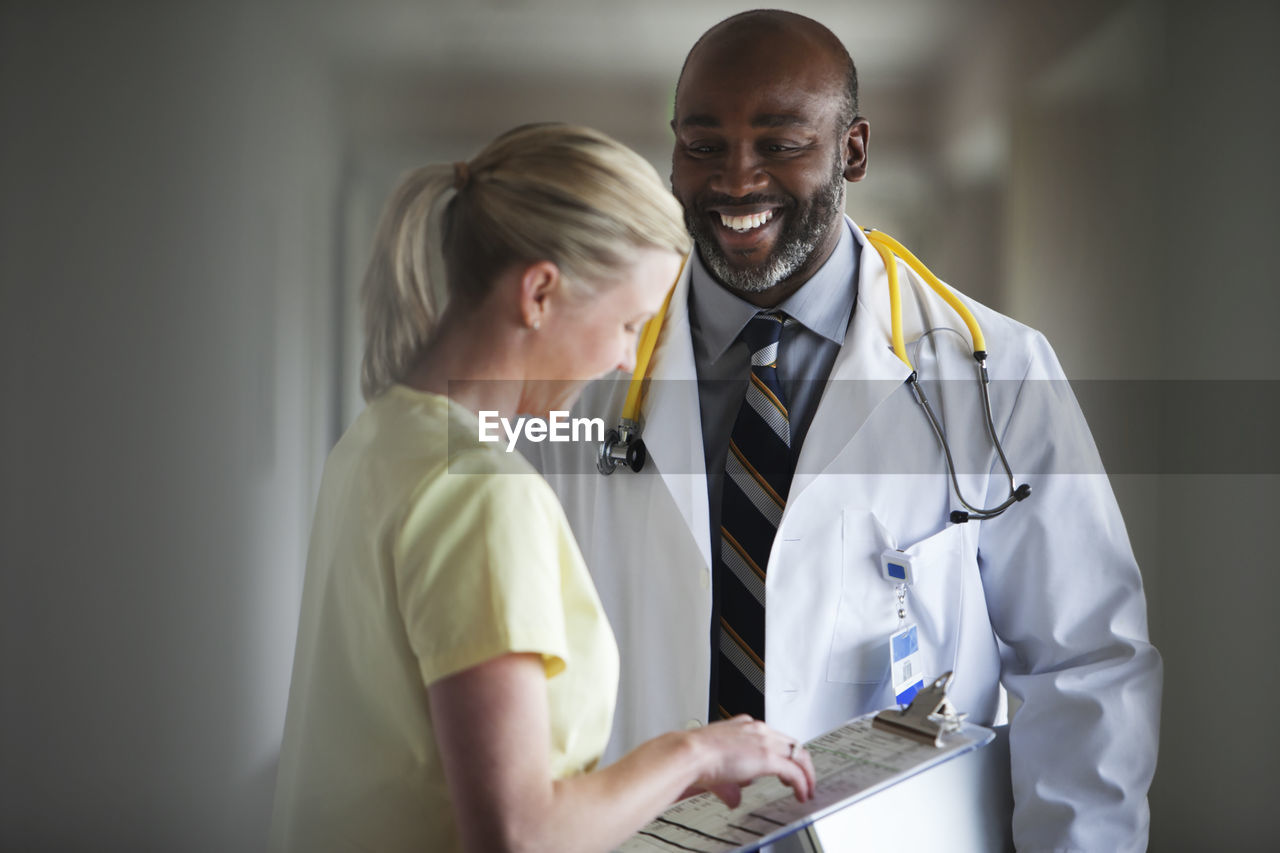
<point x="801" y="236"/>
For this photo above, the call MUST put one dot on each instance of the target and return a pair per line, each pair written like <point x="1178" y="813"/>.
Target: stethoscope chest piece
<point x="622" y="446"/>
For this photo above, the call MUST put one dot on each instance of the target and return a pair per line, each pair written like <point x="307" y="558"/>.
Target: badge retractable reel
<point x="906" y="666"/>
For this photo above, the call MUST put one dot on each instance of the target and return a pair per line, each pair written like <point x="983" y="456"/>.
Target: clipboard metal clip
<point x="929" y="716"/>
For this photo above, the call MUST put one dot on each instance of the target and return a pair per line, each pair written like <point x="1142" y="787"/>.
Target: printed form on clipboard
<point x="852" y="762"/>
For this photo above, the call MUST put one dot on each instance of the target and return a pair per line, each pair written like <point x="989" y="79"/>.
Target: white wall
<point x="1143" y="205"/>
<point x="1219" y="204"/>
<point x="166" y="316"/>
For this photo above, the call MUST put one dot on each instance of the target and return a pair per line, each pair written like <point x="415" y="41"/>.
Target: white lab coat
<point x="1045" y="600"/>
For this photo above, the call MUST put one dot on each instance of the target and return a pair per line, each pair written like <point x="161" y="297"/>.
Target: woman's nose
<point x="628" y="362"/>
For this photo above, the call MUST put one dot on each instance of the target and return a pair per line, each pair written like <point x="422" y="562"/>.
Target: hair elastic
<point x="461" y="175"/>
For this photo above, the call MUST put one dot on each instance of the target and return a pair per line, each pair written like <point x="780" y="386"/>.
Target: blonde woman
<point x="455" y="676"/>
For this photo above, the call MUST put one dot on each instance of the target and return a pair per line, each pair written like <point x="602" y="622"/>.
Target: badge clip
<point x="927" y="719"/>
<point x="895" y="567"/>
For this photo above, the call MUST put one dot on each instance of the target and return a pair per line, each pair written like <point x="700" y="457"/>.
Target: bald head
<point x="756" y="35"/>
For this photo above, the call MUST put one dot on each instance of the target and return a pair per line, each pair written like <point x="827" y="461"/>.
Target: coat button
<point x="693" y="723"/>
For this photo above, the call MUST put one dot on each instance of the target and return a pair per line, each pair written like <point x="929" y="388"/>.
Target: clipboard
<point x="852" y="762"/>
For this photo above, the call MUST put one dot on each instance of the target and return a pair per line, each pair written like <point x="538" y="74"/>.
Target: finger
<point x="810" y="773"/>
<point x="791" y="775"/>
<point x="796" y="769"/>
<point x="691" y="791"/>
<point x="729" y="794"/>
<point x="801" y="757"/>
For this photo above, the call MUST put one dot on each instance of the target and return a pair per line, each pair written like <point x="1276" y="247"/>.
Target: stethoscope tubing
<point x="624" y="445"/>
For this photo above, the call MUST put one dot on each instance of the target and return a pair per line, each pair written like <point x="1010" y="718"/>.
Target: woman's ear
<point x="540" y="283"/>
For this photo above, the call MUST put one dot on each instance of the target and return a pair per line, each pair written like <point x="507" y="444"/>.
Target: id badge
<point x="906" y="667"/>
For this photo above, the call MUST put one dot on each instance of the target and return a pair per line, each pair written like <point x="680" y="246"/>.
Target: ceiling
<point x="456" y="72"/>
<point x="891" y="40"/>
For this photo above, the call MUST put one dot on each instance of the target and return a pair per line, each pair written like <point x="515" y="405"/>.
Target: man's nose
<point x="741" y="172"/>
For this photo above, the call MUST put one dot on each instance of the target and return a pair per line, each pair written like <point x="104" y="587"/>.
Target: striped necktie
<point x="758" y="470"/>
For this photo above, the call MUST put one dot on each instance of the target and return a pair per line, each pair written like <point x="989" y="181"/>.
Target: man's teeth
<point x="746" y="223"/>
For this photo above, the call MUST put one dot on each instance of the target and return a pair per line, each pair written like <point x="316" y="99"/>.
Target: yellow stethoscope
<point x="624" y="445"/>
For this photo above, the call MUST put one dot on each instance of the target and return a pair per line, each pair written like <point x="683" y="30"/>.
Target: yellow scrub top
<point x="431" y="552"/>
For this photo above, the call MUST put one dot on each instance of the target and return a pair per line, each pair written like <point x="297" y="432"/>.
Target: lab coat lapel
<point x="865" y="372"/>
<point x="672" y="427"/>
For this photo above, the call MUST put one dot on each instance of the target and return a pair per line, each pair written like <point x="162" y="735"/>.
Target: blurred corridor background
<point x="187" y="194"/>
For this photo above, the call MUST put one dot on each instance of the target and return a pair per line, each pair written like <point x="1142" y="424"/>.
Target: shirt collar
<point x="823" y="305"/>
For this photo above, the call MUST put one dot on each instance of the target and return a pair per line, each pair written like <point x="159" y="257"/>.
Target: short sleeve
<point x="477" y="569"/>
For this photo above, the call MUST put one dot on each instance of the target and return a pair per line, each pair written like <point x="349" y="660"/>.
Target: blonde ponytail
<point x="404" y="291"/>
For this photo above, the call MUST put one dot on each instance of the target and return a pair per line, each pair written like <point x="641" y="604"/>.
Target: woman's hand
<point x="733" y="752"/>
<point x="493" y="734"/>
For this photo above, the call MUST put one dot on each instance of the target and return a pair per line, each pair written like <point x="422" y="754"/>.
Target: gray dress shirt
<point x="821" y="310"/>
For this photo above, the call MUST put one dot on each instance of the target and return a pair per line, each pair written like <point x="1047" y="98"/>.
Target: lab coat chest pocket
<point x="868" y="610"/>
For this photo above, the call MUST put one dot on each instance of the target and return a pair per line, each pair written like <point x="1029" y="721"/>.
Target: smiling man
<point x="742" y="568"/>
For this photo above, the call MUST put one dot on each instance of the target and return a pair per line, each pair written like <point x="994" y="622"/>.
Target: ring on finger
<point x="792" y="753"/>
